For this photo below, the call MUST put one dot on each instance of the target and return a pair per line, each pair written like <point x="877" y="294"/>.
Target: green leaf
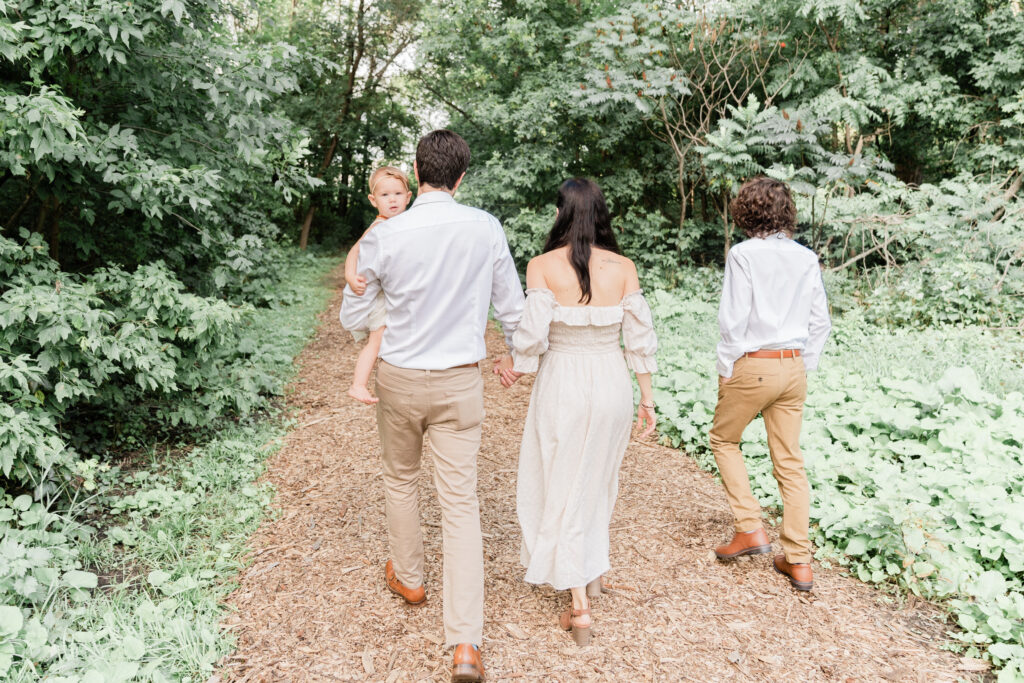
<point x="80" y="579"/>
<point x="11" y="620"/>
<point x="989" y="585"/>
<point x="134" y="649"/>
<point x="158" y="577"/>
<point x="858" y="545"/>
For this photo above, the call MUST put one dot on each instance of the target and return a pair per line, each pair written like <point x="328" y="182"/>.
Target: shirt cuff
<point x="641" y="364"/>
<point x="523" y="363"/>
<point x="811" y="362"/>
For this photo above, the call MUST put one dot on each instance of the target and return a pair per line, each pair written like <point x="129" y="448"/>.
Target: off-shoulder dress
<point x="576" y="430"/>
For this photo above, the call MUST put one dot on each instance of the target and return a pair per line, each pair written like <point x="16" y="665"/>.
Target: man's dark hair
<point x="764" y="207"/>
<point x="441" y="158"/>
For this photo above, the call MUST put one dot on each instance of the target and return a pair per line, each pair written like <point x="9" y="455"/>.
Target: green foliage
<point x="510" y="83"/>
<point x="135" y="132"/>
<point x="671" y="107"/>
<point x="936" y="254"/>
<point x="916" y="463"/>
<point x="135" y="594"/>
<point x="125" y="582"/>
<point x="86" y="360"/>
<point x="351" y="99"/>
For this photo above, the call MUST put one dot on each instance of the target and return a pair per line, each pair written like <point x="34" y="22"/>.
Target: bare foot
<point x="362" y="394"/>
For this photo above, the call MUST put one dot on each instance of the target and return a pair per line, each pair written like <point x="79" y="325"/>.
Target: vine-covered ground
<point x="312" y="604"/>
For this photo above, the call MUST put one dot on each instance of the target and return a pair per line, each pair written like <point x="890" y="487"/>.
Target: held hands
<point x="503" y="368"/>
<point x="357" y="283"/>
<point x="645" y="419"/>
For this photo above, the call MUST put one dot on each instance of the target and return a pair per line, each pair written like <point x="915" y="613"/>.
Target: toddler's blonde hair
<point x="387" y="172"/>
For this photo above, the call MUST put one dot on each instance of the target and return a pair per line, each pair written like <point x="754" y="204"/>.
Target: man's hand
<point x="357" y="284"/>
<point x="503" y="368"/>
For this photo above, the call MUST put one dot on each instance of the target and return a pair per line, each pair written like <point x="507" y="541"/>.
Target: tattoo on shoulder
<point x="609" y="259"/>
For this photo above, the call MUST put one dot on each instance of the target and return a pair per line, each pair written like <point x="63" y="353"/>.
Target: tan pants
<point x="447" y="405"/>
<point x="776" y="388"/>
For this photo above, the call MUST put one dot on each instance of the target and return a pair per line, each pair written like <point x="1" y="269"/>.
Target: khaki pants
<point x="447" y="405"/>
<point x="776" y="388"/>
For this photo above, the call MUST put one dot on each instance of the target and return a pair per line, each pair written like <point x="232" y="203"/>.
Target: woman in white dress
<point x="582" y="295"/>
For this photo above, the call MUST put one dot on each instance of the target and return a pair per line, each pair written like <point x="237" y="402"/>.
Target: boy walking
<point x="774" y="321"/>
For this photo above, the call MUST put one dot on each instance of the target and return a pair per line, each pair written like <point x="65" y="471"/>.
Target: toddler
<point x="389" y="194"/>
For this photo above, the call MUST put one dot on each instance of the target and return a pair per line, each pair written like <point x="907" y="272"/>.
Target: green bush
<point x="89" y="360"/>
<point x="122" y="577"/>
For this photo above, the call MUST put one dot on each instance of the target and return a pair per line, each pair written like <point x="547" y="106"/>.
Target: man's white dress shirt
<point x="441" y="266"/>
<point x="773" y="298"/>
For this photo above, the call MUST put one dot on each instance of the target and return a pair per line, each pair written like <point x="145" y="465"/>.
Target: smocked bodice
<point x="548" y="326"/>
<point x="565" y="338"/>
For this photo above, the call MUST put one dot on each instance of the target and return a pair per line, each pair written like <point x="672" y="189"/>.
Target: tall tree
<point x="355" y="112"/>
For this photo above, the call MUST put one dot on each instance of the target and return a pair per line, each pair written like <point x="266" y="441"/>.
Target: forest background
<point x="177" y="175"/>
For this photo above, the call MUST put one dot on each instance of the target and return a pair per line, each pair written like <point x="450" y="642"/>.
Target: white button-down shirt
<point x="441" y="265"/>
<point x="773" y="298"/>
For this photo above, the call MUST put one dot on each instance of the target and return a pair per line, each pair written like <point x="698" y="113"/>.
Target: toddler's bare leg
<point x="364" y="366"/>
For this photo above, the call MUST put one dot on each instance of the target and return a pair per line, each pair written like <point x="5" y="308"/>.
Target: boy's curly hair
<point x="764" y="207"/>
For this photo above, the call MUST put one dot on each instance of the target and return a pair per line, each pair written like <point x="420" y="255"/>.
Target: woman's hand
<point x="509" y="377"/>
<point x="645" y="419"/>
<point x="503" y="368"/>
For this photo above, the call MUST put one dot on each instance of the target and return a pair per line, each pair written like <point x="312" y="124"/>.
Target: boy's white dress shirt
<point x="773" y="298"/>
<point x="441" y="266"/>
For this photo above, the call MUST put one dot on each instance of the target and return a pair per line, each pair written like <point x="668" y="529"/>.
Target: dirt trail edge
<point x="312" y="605"/>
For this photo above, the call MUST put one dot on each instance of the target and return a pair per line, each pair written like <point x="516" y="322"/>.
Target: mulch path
<point x="312" y="605"/>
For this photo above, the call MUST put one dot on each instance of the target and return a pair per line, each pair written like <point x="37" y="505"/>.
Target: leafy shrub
<point x="175" y="538"/>
<point x="135" y="593"/>
<point x="85" y="360"/>
<point x="959" y="292"/>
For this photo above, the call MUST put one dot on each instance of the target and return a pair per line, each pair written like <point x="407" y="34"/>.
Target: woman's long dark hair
<point x="582" y="222"/>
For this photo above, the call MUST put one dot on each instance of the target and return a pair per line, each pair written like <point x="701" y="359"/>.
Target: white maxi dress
<point x="577" y="429"/>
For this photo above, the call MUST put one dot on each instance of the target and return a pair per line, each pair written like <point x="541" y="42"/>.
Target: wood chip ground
<point x="312" y="605"/>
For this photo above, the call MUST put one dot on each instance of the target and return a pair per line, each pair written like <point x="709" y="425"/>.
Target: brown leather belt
<point x="774" y="353"/>
<point x="468" y="365"/>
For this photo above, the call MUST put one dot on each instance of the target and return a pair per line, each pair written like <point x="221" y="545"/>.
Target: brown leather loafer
<point x="467" y="665"/>
<point x="745" y="543"/>
<point x="799" y="574"/>
<point x="413" y="596"/>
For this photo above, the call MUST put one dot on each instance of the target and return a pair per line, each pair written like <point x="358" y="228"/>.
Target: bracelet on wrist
<point x="649" y="406"/>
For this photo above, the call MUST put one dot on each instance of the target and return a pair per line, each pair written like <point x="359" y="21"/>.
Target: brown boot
<point x="467" y="666"/>
<point x="745" y="543"/>
<point x="799" y="573"/>
<point x="413" y="596"/>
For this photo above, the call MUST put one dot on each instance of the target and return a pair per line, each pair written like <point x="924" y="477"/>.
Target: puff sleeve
<point x="638" y="333"/>
<point x="530" y="340"/>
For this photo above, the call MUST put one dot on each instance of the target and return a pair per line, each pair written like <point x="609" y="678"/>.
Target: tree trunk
<point x="355" y="58"/>
<point x="53" y="234"/>
<point x="308" y="221"/>
<point x="681" y="181"/>
<point x="1010" y="193"/>
<point x="21" y="207"/>
<point x="43" y="215"/>
<point x="346" y="180"/>
<point x="725" y="222"/>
